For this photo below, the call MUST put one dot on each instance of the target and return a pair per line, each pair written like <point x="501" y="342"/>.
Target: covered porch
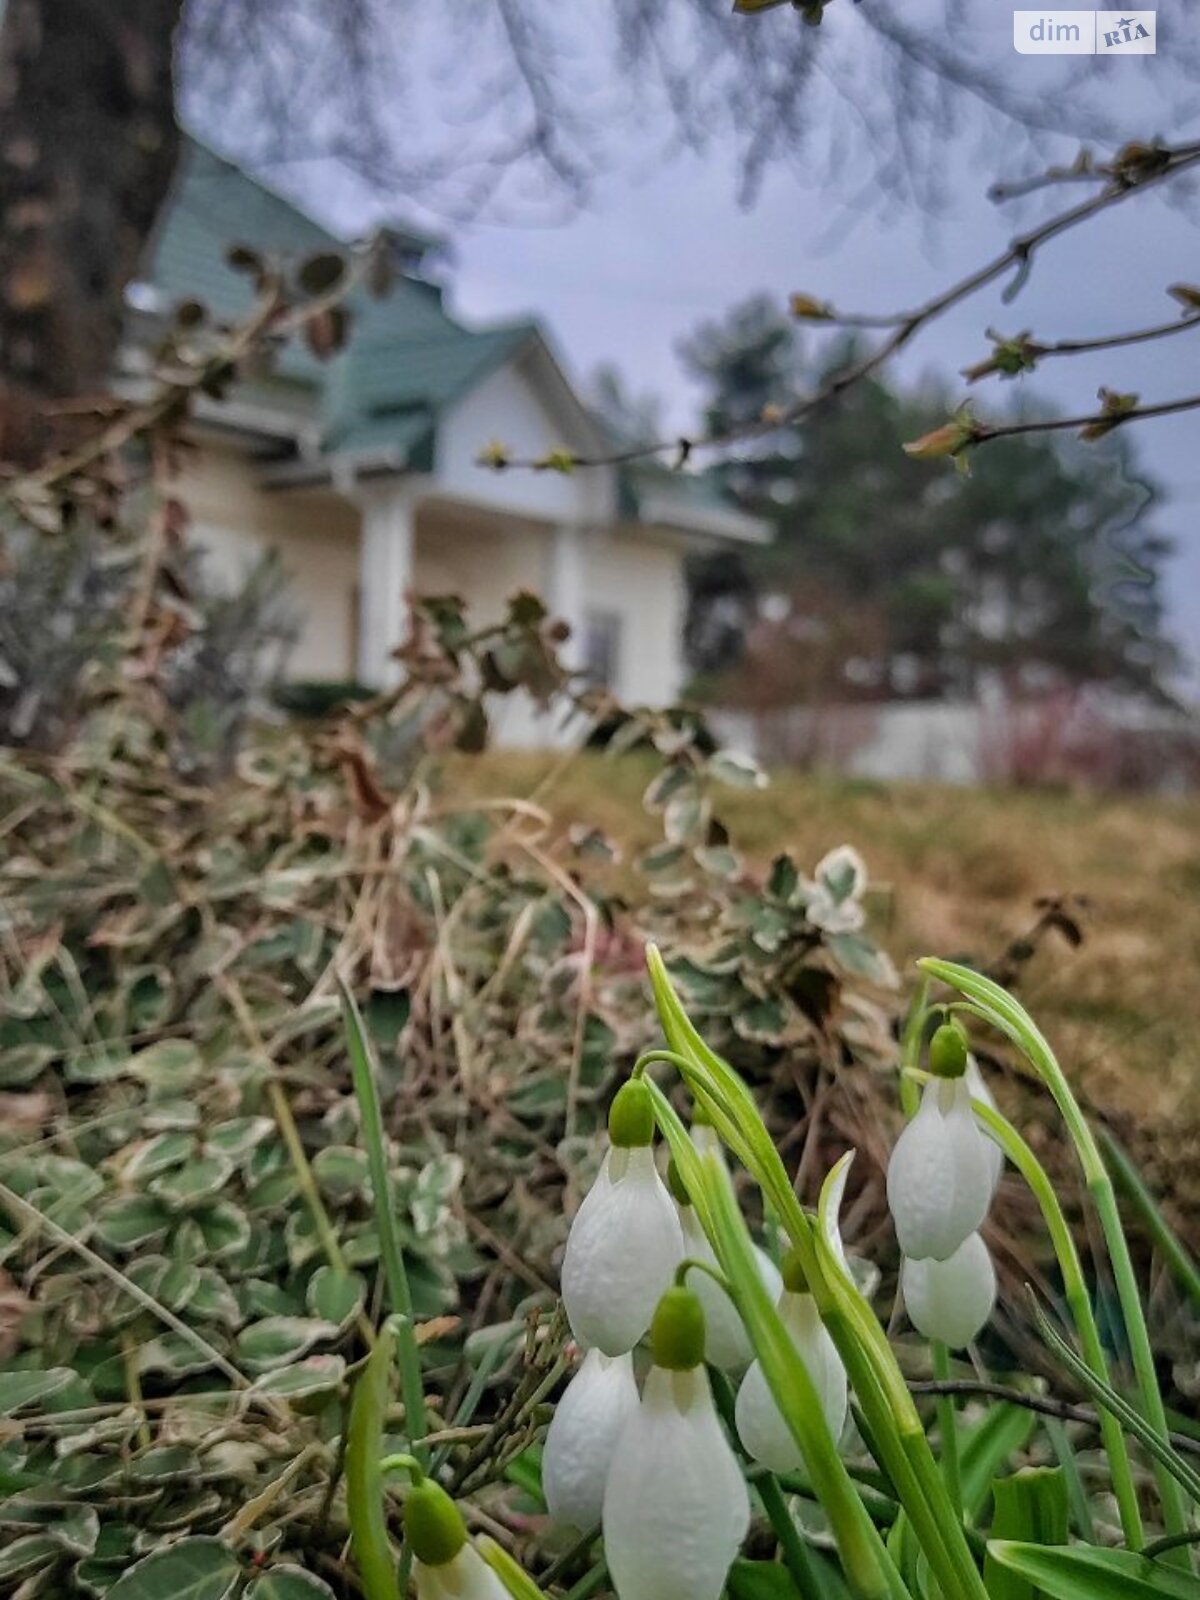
<point x="619" y="589"/>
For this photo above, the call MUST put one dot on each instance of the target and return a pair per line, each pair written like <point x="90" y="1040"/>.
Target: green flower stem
<point x="720" y="1090"/>
<point x="947" y="1425"/>
<point x="883" y="1508"/>
<point x="1011" y="1018"/>
<point x="690" y="1264"/>
<point x="408" y="1352"/>
<point x="569" y="1558"/>
<point x="364" y="1474"/>
<point x="884" y="1398"/>
<point x="1166" y="1241"/>
<point x="1078" y="1303"/>
<point x="853" y="1326"/>
<point x="895" y="1426"/>
<point x="1077" y="1495"/>
<point x="591" y="1583"/>
<point x="868" y="1567"/>
<point x="720" y="1109"/>
<point x="1105" y="1395"/>
<point x="910" y="1046"/>
<point x="909" y="1462"/>
<point x="511" y="1574"/>
<point x="796" y="1556"/>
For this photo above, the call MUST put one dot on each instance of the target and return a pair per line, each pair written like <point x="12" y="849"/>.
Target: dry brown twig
<point x="274" y="315"/>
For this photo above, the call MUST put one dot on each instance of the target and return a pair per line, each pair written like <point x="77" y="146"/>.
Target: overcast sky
<point x="664" y="244"/>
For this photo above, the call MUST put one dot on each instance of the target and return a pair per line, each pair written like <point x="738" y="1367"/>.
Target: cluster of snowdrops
<point x="660" y="1254"/>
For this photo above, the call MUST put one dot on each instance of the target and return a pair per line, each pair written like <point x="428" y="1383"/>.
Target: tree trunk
<point x="88" y="144"/>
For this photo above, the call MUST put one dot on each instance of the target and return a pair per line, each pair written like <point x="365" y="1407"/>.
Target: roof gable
<point x="405" y="356"/>
<point x="407" y="363"/>
<point x="213" y="205"/>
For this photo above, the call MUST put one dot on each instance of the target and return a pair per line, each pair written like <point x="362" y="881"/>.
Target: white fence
<point x="1090" y="737"/>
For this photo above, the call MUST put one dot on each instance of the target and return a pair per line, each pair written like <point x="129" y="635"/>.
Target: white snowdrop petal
<point x="676" y="1508"/>
<point x="951" y="1300"/>
<point x="939" y="1181"/>
<point x="707" y="1140"/>
<point x="761" y="1427"/>
<point x="978" y="1089"/>
<point x="622" y="1251"/>
<point x="466" y="1577"/>
<point x="726" y="1342"/>
<point x="583" y="1435"/>
<point x="760" y="1422"/>
<point x="831" y="1208"/>
<point x="770" y="1274"/>
<point x="821" y="1359"/>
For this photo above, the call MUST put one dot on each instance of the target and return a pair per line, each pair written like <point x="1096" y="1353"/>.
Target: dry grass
<point x="957" y="873"/>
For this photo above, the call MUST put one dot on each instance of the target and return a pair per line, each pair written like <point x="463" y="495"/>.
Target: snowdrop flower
<point x="704" y="1136"/>
<point x="760" y="1422"/>
<point x="676" y="1508"/>
<point x="727" y="1344"/>
<point x="625" y="1241"/>
<point x="939" y="1180"/>
<point x="951" y="1300"/>
<point x="583" y="1434"/>
<point x="977" y="1088"/>
<point x="446" y="1566"/>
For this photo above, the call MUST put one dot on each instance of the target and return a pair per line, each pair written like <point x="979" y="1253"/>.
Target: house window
<point x="602" y="647"/>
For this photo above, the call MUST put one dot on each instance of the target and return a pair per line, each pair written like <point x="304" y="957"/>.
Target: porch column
<point x="568" y="588"/>
<point x="385" y="575"/>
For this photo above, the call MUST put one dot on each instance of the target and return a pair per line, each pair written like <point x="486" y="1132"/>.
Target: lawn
<point x="957" y="872"/>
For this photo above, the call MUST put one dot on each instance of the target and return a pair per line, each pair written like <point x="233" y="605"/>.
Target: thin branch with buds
<point x="1101" y="421"/>
<point x="1135" y="168"/>
<point x="1022" y="353"/>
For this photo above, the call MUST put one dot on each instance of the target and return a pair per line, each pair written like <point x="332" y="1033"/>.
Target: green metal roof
<point x="645" y="482"/>
<point x="405" y="360"/>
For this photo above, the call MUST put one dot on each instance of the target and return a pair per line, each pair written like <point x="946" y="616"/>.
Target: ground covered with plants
<point x="971" y="872"/>
<point x="307" y="1061"/>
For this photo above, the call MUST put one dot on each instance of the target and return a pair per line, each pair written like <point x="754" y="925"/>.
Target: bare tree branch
<point x="1134" y="169"/>
<point x="1091" y="425"/>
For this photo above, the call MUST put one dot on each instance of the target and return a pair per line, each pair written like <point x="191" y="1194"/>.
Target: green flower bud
<point x="948" y="1051"/>
<point x="677" y="1332"/>
<point x="700" y="1116"/>
<point x="433" y="1524"/>
<point x="631" y="1116"/>
<point x="795" y="1279"/>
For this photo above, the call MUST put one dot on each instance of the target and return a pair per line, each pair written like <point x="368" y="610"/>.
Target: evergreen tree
<point x="1042" y="567"/>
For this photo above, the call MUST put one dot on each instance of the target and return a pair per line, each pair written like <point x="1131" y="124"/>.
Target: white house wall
<point x="235" y="522"/>
<point x="507" y="408"/>
<point x="486" y="564"/>
<point x="638" y="576"/>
